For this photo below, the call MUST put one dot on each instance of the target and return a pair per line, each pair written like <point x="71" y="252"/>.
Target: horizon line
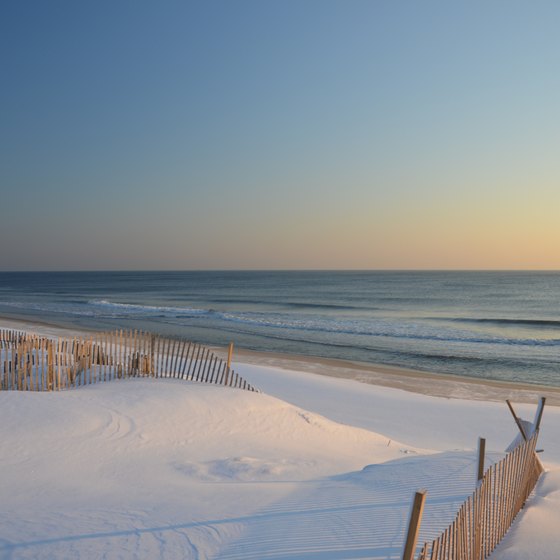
<point x="125" y="270"/>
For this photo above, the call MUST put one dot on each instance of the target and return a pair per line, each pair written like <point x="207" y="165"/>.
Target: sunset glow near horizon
<point x="279" y="135"/>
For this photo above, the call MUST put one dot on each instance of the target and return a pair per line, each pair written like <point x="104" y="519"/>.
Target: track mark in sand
<point x="118" y="426"/>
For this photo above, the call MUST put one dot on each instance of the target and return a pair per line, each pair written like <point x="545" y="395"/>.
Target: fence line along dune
<point x="29" y="362"/>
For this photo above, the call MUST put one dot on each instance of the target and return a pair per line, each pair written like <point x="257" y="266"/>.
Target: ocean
<point x="489" y="325"/>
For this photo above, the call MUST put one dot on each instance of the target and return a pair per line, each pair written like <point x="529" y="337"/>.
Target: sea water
<point x="491" y="325"/>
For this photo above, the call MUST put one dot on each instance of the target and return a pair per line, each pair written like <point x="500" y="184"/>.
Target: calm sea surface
<point x="493" y="325"/>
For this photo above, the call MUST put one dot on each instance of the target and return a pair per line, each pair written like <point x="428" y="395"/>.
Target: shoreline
<point x="414" y="381"/>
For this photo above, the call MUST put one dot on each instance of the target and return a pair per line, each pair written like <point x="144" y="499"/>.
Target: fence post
<point x="229" y="355"/>
<point x="152" y="357"/>
<point x="414" y="524"/>
<point x="228" y="363"/>
<point x="481" y="451"/>
<point x="50" y="365"/>
<point x="538" y="415"/>
<point x="517" y="421"/>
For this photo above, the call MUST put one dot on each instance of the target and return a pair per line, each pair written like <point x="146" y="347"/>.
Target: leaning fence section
<point x="30" y="362"/>
<point x="484" y="518"/>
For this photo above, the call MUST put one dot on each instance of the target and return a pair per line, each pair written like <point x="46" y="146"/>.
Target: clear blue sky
<point x="279" y="134"/>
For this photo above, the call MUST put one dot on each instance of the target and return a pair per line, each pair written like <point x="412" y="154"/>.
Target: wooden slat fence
<point x="485" y="517"/>
<point x="29" y="362"/>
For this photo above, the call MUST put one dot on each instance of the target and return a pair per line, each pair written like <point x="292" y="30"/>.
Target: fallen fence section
<point x="29" y="362"/>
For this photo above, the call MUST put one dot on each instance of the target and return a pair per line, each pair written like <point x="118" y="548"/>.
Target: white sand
<point x="318" y="468"/>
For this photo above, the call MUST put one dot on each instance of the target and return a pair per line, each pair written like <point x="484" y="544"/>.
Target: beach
<point x="279" y="281"/>
<point x="428" y="383"/>
<point x="319" y="464"/>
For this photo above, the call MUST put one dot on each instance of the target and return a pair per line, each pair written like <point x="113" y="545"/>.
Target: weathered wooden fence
<point x="484" y="518"/>
<point x="29" y="362"/>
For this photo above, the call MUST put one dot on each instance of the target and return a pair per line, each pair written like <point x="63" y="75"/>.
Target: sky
<point x="279" y="135"/>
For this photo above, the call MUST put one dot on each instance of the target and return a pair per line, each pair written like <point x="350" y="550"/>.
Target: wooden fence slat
<point x="189" y="359"/>
<point x="184" y="367"/>
<point x="212" y="377"/>
<point x="165" y="357"/>
<point x="66" y="353"/>
<point x="493" y="504"/>
<point x="207" y="367"/>
<point x="177" y="360"/>
<point x="222" y="372"/>
<point x="96" y="360"/>
<point x="435" y="545"/>
<point x="107" y="356"/>
<point x="151" y="355"/>
<point x="106" y="370"/>
<point x="170" y="350"/>
<point x="148" y="353"/>
<point x="101" y="352"/>
<point x="462" y="533"/>
<point x="200" y="364"/>
<point x="30" y="364"/>
<point x="203" y="363"/>
<point x="184" y="347"/>
<point x="85" y="361"/>
<point x="204" y="368"/>
<point x="120" y="355"/>
<point x="487" y="512"/>
<point x="194" y="358"/>
<point x="194" y="351"/>
<point x="154" y="347"/>
<point x="126" y="350"/>
<point x="209" y="358"/>
<point x="505" y="492"/>
<point x="134" y="361"/>
<point x="21" y="353"/>
<point x="74" y="361"/>
<point x="60" y="351"/>
<point x="173" y="357"/>
<point x="500" y="513"/>
<point x="215" y="371"/>
<point x="132" y="353"/>
<point x="113" y="354"/>
<point x="24" y="365"/>
<point x="107" y="351"/>
<point x="42" y="365"/>
<point x="141" y="354"/>
<point x="516" y="456"/>
<point x="526" y="473"/>
<point x="162" y="357"/>
<point x="137" y="339"/>
<point x="145" y="354"/>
